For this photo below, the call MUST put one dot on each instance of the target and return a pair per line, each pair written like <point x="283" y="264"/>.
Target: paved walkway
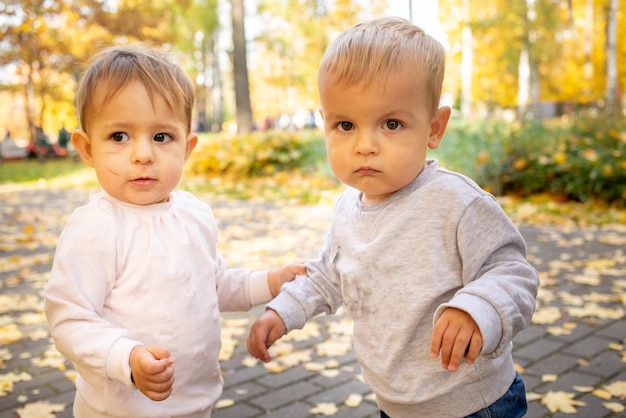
<point x="578" y="343"/>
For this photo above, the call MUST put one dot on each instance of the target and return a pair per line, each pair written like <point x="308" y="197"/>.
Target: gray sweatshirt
<point x="439" y="242"/>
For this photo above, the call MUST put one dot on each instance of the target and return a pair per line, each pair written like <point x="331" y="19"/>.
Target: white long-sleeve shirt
<point x="439" y="242"/>
<point x="125" y="275"/>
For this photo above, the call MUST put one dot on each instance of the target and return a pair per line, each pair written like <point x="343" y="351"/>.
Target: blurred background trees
<point x="537" y="86"/>
<point x="514" y="59"/>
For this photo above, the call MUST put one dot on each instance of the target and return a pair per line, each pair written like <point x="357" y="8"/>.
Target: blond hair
<point x="115" y="67"/>
<point x="381" y="46"/>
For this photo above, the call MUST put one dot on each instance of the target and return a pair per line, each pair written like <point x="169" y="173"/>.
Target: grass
<point x="32" y="170"/>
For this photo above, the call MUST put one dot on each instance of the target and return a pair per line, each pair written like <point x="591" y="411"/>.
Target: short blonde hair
<point x="116" y="66"/>
<point x="372" y="49"/>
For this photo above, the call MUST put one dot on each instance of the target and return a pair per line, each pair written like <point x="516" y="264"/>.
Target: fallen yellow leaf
<point x="40" y="409"/>
<point x="560" y="401"/>
<point x="354" y="400"/>
<point x="325" y="408"/>
<point x="614" y="407"/>
<point x="602" y="394"/>
<point x="224" y="403"/>
<point x="617" y="389"/>
<point x="546" y="315"/>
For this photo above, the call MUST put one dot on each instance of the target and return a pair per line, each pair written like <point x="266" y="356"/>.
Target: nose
<point x="366" y="143"/>
<point x="142" y="151"/>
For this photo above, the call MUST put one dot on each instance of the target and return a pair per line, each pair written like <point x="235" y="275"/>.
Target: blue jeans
<point x="511" y="405"/>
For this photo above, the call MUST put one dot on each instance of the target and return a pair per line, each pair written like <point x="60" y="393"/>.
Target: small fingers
<point x="454" y="348"/>
<point x="474" y="349"/>
<point x="159" y="386"/>
<point x="257" y="348"/>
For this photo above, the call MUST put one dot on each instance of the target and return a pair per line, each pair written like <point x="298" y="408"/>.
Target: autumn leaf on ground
<point x="600" y="297"/>
<point x="5" y="354"/>
<point x="310" y="330"/>
<point x="617" y="389"/>
<point x="593" y="310"/>
<point x="224" y="403"/>
<point x="314" y="367"/>
<point x="71" y="375"/>
<point x="7" y="381"/>
<point x="561" y="401"/>
<point x="601" y="264"/>
<point x="343" y="327"/>
<point x="293" y="359"/>
<point x="354" y="400"/>
<point x="230" y="331"/>
<point x="325" y="408"/>
<point x="10" y="334"/>
<point x="334" y="347"/>
<point x="51" y="358"/>
<point x="602" y="394"/>
<point x="589" y="278"/>
<point x="11" y="303"/>
<point x="249" y="361"/>
<point x="31" y="318"/>
<point x="40" y="410"/>
<point x="330" y="373"/>
<point x="546" y="315"/>
<point x="614" y="407"/>
<point x="557" y="331"/>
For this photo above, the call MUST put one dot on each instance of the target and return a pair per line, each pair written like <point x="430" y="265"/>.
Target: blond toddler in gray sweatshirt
<point x="427" y="264"/>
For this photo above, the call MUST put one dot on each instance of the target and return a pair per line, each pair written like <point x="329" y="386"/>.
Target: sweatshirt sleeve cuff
<point x="118" y="361"/>
<point x="290" y="311"/>
<point x="259" y="288"/>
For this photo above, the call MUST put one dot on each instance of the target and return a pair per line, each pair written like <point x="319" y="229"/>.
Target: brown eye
<point x="119" y="137"/>
<point x="161" y="137"/>
<point x="392" y="124"/>
<point x="346" y="126"/>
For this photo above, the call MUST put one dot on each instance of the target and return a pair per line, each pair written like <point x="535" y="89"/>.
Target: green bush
<point x="476" y="149"/>
<point x="257" y="154"/>
<point x="582" y="162"/>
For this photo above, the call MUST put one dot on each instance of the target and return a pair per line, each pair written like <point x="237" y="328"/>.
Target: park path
<point x="576" y="346"/>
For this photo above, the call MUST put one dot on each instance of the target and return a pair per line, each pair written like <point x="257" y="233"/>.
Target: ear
<point x="438" y="125"/>
<point x="192" y="141"/>
<point x="81" y="142"/>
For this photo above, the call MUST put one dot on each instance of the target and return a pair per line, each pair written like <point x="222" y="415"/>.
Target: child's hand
<point x="456" y="335"/>
<point x="152" y="370"/>
<point x="276" y="278"/>
<point x="264" y="332"/>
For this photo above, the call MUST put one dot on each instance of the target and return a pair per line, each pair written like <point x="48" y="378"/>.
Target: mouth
<point x="366" y="171"/>
<point x="143" y="181"/>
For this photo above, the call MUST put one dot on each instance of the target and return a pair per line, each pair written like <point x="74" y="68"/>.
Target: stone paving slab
<point x="578" y="268"/>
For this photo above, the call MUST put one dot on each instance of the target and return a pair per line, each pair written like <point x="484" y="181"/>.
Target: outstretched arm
<point x="268" y="328"/>
<point x="276" y="278"/>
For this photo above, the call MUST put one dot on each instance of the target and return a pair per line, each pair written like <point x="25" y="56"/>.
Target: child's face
<point x="136" y="145"/>
<point x="377" y="135"/>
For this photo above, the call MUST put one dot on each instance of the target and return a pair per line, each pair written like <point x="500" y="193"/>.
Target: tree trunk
<point x="240" y="68"/>
<point x="467" y="59"/>
<point x="610" y="96"/>
<point x="217" y="103"/>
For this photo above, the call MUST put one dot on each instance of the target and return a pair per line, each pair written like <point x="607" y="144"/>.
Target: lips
<point x="143" y="181"/>
<point x="366" y="171"/>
